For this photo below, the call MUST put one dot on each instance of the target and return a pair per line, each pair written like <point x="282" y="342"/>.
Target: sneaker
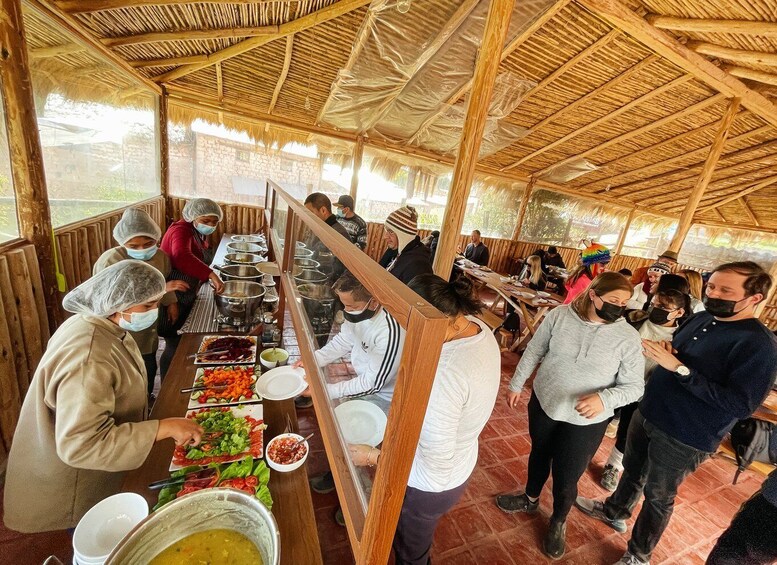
<point x="303" y="402"/>
<point x="595" y="509"/>
<point x="630" y="559"/>
<point x="512" y="503"/>
<point x="610" y="477"/>
<point x="340" y="517"/>
<point x="554" y="543"/>
<point x="612" y="428"/>
<point x="323" y="484"/>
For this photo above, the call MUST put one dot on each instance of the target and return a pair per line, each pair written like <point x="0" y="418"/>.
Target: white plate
<point x="281" y="383"/>
<point x="361" y="422"/>
<point x="543" y="294"/>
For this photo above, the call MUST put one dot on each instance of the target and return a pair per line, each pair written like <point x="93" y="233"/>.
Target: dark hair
<point x="671" y="281"/>
<point x="349" y="283"/>
<point x="452" y="299"/>
<point x="626" y="272"/>
<point x="552" y="250"/>
<point x="476" y="231"/>
<point x="319" y="200"/>
<point x="758" y="280"/>
<point x="606" y="282"/>
<point x="673" y="298"/>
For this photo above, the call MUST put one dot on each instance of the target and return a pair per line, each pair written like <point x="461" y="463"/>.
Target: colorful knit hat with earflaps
<point x="594" y="253"/>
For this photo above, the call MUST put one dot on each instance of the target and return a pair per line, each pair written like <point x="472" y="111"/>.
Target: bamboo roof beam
<point x="284" y="73"/>
<point x="56" y="50"/>
<point x="551" y="12"/>
<point x="749" y="211"/>
<point x="751" y="74"/>
<point x="190" y="35"/>
<point x="326" y="14"/>
<point x="86" y="6"/>
<point x="720" y="215"/>
<point x="219" y="82"/>
<point x="737" y="55"/>
<point x="148" y="63"/>
<point x="744" y="27"/>
<point x="618" y="15"/>
<point x="686" y="218"/>
<point x="755" y="188"/>
<point x="712" y="195"/>
<point x="698" y="107"/>
<point x="604" y="119"/>
<point x="738" y="226"/>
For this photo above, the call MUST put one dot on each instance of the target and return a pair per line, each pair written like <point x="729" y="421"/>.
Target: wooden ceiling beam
<point x="55" y="50"/>
<point x="86" y="6"/>
<point x="748" y="211"/>
<point x="618" y="15"/>
<point x="219" y="82"/>
<point x="313" y="19"/>
<point x="190" y="35"/>
<point x="284" y="73"/>
<point x="754" y="188"/>
<point x="149" y="63"/>
<point x="744" y="27"/>
<point x="745" y="56"/>
<point x="712" y="195"/>
<point x="736" y="227"/>
<point x="751" y="74"/>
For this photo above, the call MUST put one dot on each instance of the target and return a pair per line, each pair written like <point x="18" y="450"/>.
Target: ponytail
<point x="451" y="298"/>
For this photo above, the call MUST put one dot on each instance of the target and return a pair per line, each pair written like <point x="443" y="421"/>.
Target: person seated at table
<point x="463" y="395"/>
<point x="626" y="273"/>
<point x="186" y="243"/>
<point x="138" y="237"/>
<point x="668" y="309"/>
<point x="553" y="258"/>
<point x="476" y="251"/>
<point x="83" y="421"/>
<point x="593" y="260"/>
<point x="641" y="298"/>
<point x="412" y="257"/>
<point x="535" y="277"/>
<point x="641" y="273"/>
<point x="696" y="284"/>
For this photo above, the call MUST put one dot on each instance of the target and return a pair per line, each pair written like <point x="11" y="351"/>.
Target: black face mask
<point x="355" y="318"/>
<point x="659" y="316"/>
<point x="719" y="307"/>
<point x="609" y="312"/>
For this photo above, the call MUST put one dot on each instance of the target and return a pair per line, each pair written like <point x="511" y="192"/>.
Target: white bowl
<point x="543" y="294"/>
<point x="272" y="364"/>
<point x="286" y="468"/>
<point x="105" y="524"/>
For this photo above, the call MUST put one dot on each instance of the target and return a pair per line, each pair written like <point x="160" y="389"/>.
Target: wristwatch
<point x="683" y="371"/>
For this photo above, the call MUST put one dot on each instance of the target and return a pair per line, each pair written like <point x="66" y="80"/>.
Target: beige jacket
<point x="147" y="340"/>
<point x="81" y="425"/>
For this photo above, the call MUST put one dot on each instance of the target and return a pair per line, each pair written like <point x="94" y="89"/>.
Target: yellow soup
<point x="226" y="547"/>
<point x="274" y="355"/>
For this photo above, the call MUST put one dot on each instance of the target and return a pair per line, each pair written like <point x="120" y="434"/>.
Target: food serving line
<point x="292" y="506"/>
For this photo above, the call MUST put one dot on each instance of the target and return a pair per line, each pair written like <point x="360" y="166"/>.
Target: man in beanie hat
<point x="401" y="233"/>
<point x="641" y="296"/>
<point x="640" y="274"/>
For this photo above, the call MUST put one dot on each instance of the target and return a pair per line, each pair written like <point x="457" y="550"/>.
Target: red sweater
<point x="180" y="242"/>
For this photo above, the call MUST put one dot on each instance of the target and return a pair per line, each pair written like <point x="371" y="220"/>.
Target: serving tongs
<point x="204" y="475"/>
<point x="204" y="353"/>
<point x="203" y="387"/>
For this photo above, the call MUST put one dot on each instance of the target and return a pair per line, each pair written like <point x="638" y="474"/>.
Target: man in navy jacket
<point x="717" y="370"/>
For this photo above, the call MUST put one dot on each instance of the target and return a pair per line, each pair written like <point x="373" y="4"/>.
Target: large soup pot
<point x="209" y="509"/>
<point x="303" y="252"/>
<point x="247" y="273"/>
<point x="243" y="259"/>
<point x="258" y="239"/>
<point x="316" y="297"/>
<point x="241" y="247"/>
<point x="240" y="300"/>
<point x="311" y="276"/>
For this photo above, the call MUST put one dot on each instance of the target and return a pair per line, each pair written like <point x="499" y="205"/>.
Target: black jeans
<point x="751" y="538"/>
<point x="418" y="519"/>
<point x="626" y="412"/>
<point x="657" y="463"/>
<point x="149" y="360"/>
<point x="563" y="448"/>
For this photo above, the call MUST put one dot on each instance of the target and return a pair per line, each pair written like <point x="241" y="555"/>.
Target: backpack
<point x="753" y="440"/>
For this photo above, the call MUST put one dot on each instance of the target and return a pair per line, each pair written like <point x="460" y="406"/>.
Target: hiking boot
<point x="595" y="509"/>
<point x="610" y="477"/>
<point x="630" y="559"/>
<point x="340" y="517"/>
<point x="323" y="484"/>
<point x="303" y="402"/>
<point x="512" y="503"/>
<point x="554" y="543"/>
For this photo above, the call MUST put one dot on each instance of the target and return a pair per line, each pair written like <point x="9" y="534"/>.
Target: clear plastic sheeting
<point x="493" y="206"/>
<point x="570" y="171"/>
<point x="649" y="235"/>
<point x="558" y="219"/>
<point x="404" y="69"/>
<point x="709" y="246"/>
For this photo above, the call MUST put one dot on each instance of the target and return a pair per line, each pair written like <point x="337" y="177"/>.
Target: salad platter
<point x="227" y="384"/>
<point x="231" y="433"/>
<point x="226" y="350"/>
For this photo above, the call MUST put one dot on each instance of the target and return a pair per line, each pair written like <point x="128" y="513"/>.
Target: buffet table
<point x="292" y="503"/>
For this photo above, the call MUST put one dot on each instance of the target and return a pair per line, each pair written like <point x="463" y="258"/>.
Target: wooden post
<point x="486" y="67"/>
<point x="624" y="232"/>
<point x="164" y="155"/>
<point x="524" y="206"/>
<point x="356" y="162"/>
<point x="29" y="180"/>
<point x="686" y="218"/>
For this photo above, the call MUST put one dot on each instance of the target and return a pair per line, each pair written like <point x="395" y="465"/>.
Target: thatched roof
<point x="577" y="89"/>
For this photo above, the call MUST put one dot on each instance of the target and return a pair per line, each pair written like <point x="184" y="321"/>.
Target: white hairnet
<point x="201" y="207"/>
<point x="134" y="223"/>
<point x="115" y="289"/>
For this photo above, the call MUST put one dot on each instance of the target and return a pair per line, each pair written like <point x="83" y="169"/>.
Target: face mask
<point x="142" y="254"/>
<point x="340" y="213"/>
<point x="609" y="312"/>
<point x="359" y="315"/>
<point x="139" y="321"/>
<point x="659" y="316"/>
<point x="204" y="229"/>
<point x="719" y="307"/>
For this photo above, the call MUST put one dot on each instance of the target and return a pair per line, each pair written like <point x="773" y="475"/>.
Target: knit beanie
<point x="595" y="253"/>
<point x="404" y="223"/>
<point x="660" y="268"/>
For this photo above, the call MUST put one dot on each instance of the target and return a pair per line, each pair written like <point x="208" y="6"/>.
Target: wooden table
<point x="292" y="503"/>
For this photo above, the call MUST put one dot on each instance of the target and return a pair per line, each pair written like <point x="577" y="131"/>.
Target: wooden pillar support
<point x="164" y="155"/>
<point x="624" y="232"/>
<point x="524" y="206"/>
<point x="29" y="180"/>
<point x="356" y="164"/>
<point x="486" y="68"/>
<point x="686" y="218"/>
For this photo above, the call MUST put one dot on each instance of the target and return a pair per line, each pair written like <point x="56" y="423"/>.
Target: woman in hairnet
<point x="138" y="237"/>
<point x="83" y="421"/>
<point x="186" y="243"/>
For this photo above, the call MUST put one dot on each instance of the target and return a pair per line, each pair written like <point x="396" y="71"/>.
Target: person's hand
<point x="512" y="398"/>
<point x="180" y="286"/>
<point x="363" y="455"/>
<point x="184" y="431"/>
<point x="297" y="364"/>
<point x="589" y="406"/>
<point x="458" y="249"/>
<point x="662" y="353"/>
<point x="306" y="393"/>
<point x="218" y="284"/>
<point x="173" y="312"/>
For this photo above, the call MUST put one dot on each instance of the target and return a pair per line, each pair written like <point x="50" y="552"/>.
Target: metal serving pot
<point x="301" y="264"/>
<point x="240" y="300"/>
<point x="310" y="276"/>
<point x="208" y="509"/>
<point x="239" y="247"/>
<point x="315" y="298"/>
<point x="247" y="273"/>
<point x="258" y="239"/>
<point x="303" y="252"/>
<point x="243" y="259"/>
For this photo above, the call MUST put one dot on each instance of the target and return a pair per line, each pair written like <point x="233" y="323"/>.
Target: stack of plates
<point x="105" y="525"/>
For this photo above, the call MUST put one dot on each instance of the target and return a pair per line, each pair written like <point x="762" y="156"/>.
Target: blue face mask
<point x="139" y="321"/>
<point x="142" y="254"/>
<point x="340" y="213"/>
<point x="204" y="229"/>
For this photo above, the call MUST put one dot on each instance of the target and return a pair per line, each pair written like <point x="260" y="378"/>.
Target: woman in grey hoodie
<point x="591" y="363"/>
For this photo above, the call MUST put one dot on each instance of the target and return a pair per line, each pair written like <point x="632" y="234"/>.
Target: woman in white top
<point x="463" y="395"/>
